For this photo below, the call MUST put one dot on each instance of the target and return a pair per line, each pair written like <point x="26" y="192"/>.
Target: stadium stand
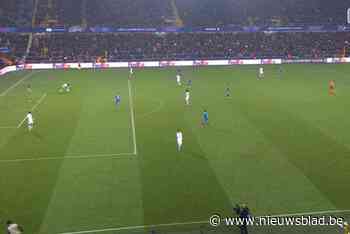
<point x="267" y="12"/>
<point x="15" y="12"/>
<point x="117" y="13"/>
<point x="69" y="12"/>
<point x="59" y="13"/>
<point x="172" y="12"/>
<point x="146" y="46"/>
<point x="103" y="13"/>
<point x="12" y="47"/>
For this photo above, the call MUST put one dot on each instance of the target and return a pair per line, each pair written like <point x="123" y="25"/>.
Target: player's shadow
<point x="197" y="155"/>
<point x="37" y="135"/>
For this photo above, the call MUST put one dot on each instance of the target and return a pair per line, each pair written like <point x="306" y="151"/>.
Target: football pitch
<point x="280" y="145"/>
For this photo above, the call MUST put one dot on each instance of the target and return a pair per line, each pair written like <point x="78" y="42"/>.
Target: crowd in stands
<point x="262" y="13"/>
<point x="203" y="12"/>
<point x="128" y="13"/>
<point x="103" y="13"/>
<point x="146" y="46"/>
<point x="59" y="12"/>
<point x="16" y="12"/>
<point x="153" y="13"/>
<point x="12" y="48"/>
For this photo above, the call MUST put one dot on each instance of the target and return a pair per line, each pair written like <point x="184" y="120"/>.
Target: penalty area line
<point x="16" y="84"/>
<point x="135" y="227"/>
<point x="33" y="108"/>
<point x="92" y="156"/>
<point x="198" y="222"/>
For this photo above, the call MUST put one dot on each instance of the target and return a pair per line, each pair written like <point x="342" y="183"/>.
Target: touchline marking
<point x="33" y="108"/>
<point x="95" y="156"/>
<point x="197" y="222"/>
<point x="131" y="105"/>
<point x="16" y="84"/>
<point x="135" y="227"/>
<point x="308" y="213"/>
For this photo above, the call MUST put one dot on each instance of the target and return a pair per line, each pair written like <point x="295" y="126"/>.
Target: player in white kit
<point x="30" y="121"/>
<point x="65" y="87"/>
<point x="13" y="228"/>
<point x="187" y="97"/>
<point x="261" y="73"/>
<point x="178" y="79"/>
<point x="131" y="72"/>
<point x="179" y="139"/>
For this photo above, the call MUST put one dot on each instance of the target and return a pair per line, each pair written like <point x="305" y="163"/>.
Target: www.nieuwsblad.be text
<point x="217" y="220"/>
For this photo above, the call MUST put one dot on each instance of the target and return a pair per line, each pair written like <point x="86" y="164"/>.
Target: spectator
<point x="186" y="46"/>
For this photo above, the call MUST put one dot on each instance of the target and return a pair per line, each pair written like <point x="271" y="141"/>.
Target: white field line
<point x="198" y="222"/>
<point x="132" y="116"/>
<point x="135" y="227"/>
<point x="308" y="213"/>
<point x="155" y="110"/>
<point x="33" y="108"/>
<point x="16" y="84"/>
<point x="92" y="156"/>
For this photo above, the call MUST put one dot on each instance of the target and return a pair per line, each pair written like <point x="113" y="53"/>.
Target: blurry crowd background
<point x="147" y="46"/>
<point x="162" y="12"/>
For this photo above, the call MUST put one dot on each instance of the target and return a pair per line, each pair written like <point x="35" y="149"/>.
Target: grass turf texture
<point x="280" y="145"/>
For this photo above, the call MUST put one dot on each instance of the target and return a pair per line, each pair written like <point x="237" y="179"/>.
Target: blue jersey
<point x="205" y="116"/>
<point x="117" y="99"/>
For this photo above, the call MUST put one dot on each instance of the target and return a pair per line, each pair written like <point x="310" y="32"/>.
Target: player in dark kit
<point x="117" y="100"/>
<point x="228" y="92"/>
<point x="205" y="118"/>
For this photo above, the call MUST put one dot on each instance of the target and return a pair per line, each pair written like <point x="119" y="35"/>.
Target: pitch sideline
<point x="4" y="93"/>
<point x="132" y="116"/>
<point x="198" y="222"/>
<point x="91" y="156"/>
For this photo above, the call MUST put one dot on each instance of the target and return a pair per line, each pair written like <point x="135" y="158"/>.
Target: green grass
<point x="280" y="145"/>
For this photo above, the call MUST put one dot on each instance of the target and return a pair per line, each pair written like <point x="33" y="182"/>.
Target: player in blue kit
<point x="205" y="118"/>
<point x="117" y="100"/>
<point x="189" y="83"/>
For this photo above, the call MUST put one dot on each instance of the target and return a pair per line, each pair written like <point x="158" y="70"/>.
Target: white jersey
<point x="261" y="71"/>
<point x="179" y="136"/>
<point x="65" y="85"/>
<point x="13" y="229"/>
<point x="131" y="71"/>
<point x="187" y="95"/>
<point x="30" y="118"/>
<point x="178" y="78"/>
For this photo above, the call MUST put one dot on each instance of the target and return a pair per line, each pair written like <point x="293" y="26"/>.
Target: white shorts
<point x="179" y="142"/>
